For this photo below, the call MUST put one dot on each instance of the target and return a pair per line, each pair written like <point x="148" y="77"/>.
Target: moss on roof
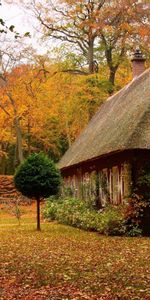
<point x="122" y="122"/>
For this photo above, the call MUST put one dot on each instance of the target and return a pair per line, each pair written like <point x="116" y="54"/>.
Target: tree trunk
<point x="3" y="165"/>
<point x="2" y="159"/>
<point x="17" y="128"/>
<point x="29" y="137"/>
<point x="112" y="69"/>
<point x="112" y="74"/>
<point x="38" y="214"/>
<point x="15" y="161"/>
<point x="19" y="139"/>
<point x="91" y="56"/>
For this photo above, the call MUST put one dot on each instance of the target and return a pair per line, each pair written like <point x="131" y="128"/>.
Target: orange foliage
<point x="52" y="107"/>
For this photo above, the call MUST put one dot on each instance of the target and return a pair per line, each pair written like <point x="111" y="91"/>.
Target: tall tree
<point x="111" y="27"/>
<point x="9" y="106"/>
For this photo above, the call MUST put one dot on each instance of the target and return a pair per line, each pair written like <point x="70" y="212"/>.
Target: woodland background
<point x="47" y="99"/>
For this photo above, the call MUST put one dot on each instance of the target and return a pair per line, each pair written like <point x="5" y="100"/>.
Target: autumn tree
<point x="19" y="91"/>
<point x="52" y="107"/>
<point x="9" y="106"/>
<point x="52" y="110"/>
<point x="37" y="177"/>
<point x="108" y="28"/>
<point x="10" y="74"/>
<point x="5" y="138"/>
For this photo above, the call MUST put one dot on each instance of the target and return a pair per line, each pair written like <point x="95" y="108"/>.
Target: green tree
<point x="37" y="177"/>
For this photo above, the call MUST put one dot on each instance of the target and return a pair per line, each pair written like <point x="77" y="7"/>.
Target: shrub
<point x="113" y="221"/>
<point x="137" y="216"/>
<point x="51" y="208"/>
<point x="76" y="213"/>
<point x="133" y="230"/>
<point x="37" y="177"/>
<point x="132" y="219"/>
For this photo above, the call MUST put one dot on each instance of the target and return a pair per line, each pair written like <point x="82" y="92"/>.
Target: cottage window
<point x="110" y="184"/>
<point x="76" y="187"/>
<point x="93" y="185"/>
<point x="67" y="181"/>
<point x="103" y="186"/>
<point x="126" y="180"/>
<point x="72" y="185"/>
<point x="86" y="186"/>
<point x="121" y="183"/>
<point x="116" y="184"/>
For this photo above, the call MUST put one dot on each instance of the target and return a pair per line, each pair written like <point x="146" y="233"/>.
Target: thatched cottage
<point x="105" y="158"/>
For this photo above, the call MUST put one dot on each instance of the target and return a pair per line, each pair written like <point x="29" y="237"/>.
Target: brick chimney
<point x="138" y="61"/>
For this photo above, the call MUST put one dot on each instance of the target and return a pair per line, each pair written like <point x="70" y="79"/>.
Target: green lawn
<point x="67" y="263"/>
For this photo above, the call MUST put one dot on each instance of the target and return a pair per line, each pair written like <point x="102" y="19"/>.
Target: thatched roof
<point x="122" y="122"/>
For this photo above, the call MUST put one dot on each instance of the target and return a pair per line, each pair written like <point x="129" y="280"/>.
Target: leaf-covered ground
<point x="67" y="263"/>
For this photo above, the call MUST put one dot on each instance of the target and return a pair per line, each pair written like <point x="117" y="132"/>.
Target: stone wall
<point x="8" y="192"/>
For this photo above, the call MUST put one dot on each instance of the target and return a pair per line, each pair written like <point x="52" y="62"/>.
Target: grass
<point x="62" y="262"/>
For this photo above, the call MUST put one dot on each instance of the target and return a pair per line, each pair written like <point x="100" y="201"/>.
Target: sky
<point x="13" y="14"/>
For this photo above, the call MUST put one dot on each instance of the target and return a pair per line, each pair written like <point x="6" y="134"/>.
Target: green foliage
<point x="76" y="213"/>
<point x="133" y="231"/>
<point x="37" y="177"/>
<point x="131" y="219"/>
<point x="112" y="221"/>
<point x="143" y="181"/>
<point x="51" y="208"/>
